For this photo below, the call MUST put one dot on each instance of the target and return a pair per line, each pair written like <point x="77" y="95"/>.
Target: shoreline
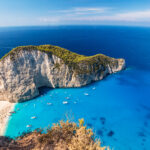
<point x="5" y="108"/>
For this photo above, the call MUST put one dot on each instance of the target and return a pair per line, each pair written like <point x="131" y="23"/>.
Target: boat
<point x="34" y="117"/>
<point x="67" y="97"/>
<point x="86" y="94"/>
<point x="49" y="103"/>
<point x="12" y="112"/>
<point x="94" y="88"/>
<point x="65" y="102"/>
<point x="28" y="126"/>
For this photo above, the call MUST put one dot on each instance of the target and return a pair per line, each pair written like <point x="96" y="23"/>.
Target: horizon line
<point x="74" y="25"/>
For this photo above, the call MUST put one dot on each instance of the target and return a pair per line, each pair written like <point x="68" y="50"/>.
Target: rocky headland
<point x="27" y="68"/>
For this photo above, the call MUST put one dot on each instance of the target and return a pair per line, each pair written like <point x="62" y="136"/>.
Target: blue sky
<point x="74" y="12"/>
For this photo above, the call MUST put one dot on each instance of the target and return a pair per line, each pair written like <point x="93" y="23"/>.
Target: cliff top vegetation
<point x="81" y="64"/>
<point x="66" y="55"/>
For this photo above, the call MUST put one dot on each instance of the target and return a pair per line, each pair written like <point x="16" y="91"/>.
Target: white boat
<point x="67" y="97"/>
<point x="65" y="102"/>
<point x="94" y="88"/>
<point x="49" y="103"/>
<point x="28" y="126"/>
<point x="86" y="94"/>
<point x="34" y="117"/>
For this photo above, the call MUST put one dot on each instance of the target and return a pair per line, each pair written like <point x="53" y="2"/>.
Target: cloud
<point x="129" y="16"/>
<point x="52" y="20"/>
<point x="82" y="10"/>
<point x="134" y="16"/>
<point x="98" y="15"/>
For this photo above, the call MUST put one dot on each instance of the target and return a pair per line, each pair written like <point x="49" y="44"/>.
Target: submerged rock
<point x="89" y="125"/>
<point x="25" y="69"/>
<point x="103" y="120"/>
<point x="110" y="133"/>
<point x="100" y="132"/>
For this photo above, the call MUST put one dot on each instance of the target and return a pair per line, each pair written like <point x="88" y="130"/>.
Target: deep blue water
<point x="119" y="104"/>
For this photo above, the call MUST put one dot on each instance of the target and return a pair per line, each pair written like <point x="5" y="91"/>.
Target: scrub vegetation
<point x="61" y="136"/>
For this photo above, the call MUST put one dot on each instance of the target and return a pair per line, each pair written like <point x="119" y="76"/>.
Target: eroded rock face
<point x="21" y="78"/>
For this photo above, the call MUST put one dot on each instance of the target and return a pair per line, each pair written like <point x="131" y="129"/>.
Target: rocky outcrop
<point x="25" y="69"/>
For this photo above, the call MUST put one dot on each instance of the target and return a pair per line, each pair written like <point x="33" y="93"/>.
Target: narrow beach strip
<point x="5" y="109"/>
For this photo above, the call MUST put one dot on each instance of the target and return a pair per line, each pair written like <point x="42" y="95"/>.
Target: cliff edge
<point x="27" y="68"/>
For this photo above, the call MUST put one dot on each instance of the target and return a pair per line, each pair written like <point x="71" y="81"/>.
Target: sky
<point x="74" y="12"/>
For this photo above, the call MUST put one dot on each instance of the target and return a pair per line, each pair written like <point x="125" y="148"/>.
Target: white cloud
<point x="134" y="16"/>
<point x="98" y="15"/>
<point x="90" y="10"/>
<point x="82" y="10"/>
<point x="52" y="20"/>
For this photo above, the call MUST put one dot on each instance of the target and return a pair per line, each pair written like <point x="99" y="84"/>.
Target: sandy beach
<point x="5" y="108"/>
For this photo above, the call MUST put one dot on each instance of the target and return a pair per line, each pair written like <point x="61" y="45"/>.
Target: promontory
<point x="27" y="68"/>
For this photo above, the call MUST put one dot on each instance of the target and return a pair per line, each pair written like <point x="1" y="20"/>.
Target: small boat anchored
<point x="28" y="126"/>
<point x="65" y="102"/>
<point x="86" y="94"/>
<point x="12" y="112"/>
<point x="49" y="103"/>
<point x="34" y="117"/>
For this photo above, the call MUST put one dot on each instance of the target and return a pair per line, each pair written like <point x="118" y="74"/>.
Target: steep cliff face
<point x="25" y="69"/>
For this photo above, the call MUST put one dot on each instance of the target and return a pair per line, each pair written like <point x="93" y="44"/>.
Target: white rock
<point x="20" y="79"/>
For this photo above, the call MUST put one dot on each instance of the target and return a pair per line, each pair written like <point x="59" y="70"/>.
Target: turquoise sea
<point x="117" y="108"/>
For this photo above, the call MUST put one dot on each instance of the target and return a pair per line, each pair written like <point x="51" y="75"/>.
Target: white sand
<point x="5" y="108"/>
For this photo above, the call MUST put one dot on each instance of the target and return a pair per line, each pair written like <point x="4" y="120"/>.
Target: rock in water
<point x="27" y="68"/>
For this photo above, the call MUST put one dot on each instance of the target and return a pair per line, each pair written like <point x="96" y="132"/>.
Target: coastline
<point x="5" y="108"/>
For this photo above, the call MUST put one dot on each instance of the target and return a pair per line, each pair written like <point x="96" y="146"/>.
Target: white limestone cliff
<point x="21" y="78"/>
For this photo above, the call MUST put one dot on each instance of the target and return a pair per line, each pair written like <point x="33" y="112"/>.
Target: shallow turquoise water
<point x="114" y="105"/>
<point x="118" y="108"/>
